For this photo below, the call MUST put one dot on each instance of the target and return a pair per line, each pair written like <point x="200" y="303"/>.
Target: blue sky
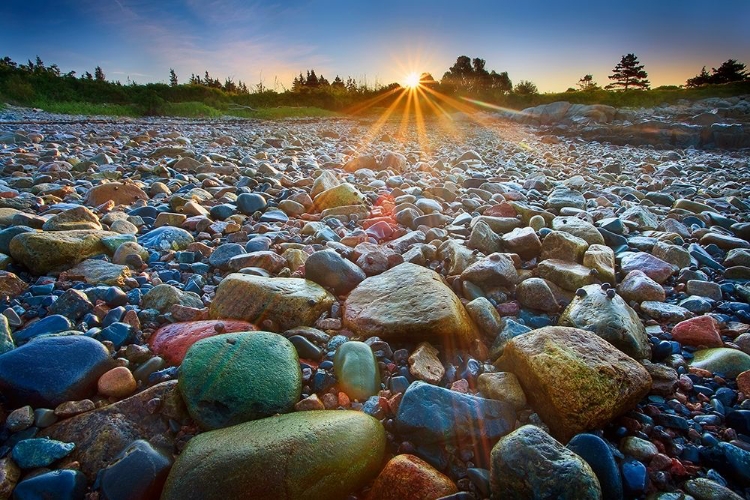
<point x="552" y="44"/>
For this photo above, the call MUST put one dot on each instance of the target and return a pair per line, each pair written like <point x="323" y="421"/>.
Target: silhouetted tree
<point x="501" y="81"/>
<point x="702" y="78"/>
<point x="99" y="74"/>
<point x="338" y="83"/>
<point x="312" y="79"/>
<point x="629" y="73"/>
<point x="525" y="87"/>
<point x="587" y="83"/>
<point x="729" y="71"/>
<point x="172" y="78"/>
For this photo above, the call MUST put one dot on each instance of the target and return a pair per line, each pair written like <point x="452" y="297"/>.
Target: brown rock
<point x="75" y="218"/>
<point x="57" y="250"/>
<point x="567" y="275"/>
<point x="523" y="241"/>
<point x="407" y="476"/>
<point x="743" y="383"/>
<point x="286" y="302"/>
<point x="120" y="193"/>
<point x="117" y="383"/>
<point x="638" y="287"/>
<point x="100" y="435"/>
<point x="502" y="386"/>
<point x="408" y="302"/>
<point x="172" y="341"/>
<point x="424" y="364"/>
<point x="653" y="267"/>
<point x="9" y="475"/>
<point x="573" y="379"/>
<point x="563" y="246"/>
<point x="11" y="285"/>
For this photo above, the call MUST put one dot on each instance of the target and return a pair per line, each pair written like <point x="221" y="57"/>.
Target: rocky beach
<point x="546" y="304"/>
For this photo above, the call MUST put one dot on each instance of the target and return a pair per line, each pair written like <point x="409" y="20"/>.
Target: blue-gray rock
<point x="738" y="461"/>
<point x="118" y="333"/>
<point x="51" y="324"/>
<point x="223" y="211"/>
<point x="40" y="452"/>
<point x="529" y="463"/>
<point x="137" y="473"/>
<point x="49" y="370"/>
<point x="595" y="451"/>
<point x="329" y="269"/>
<point x="430" y="414"/>
<point x="634" y="477"/>
<point x="62" y="484"/>
<point x="166" y="238"/>
<point x="8" y="234"/>
<point x="274" y="215"/>
<point x="249" y="203"/>
<point x="73" y="304"/>
<point x="221" y="255"/>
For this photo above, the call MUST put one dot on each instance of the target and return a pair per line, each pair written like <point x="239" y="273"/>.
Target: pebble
<point x="108" y="281"/>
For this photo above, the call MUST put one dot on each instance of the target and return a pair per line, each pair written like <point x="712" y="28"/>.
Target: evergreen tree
<point x="312" y="79"/>
<point x="629" y="73"/>
<point x="729" y="71"/>
<point x="298" y="83"/>
<point x="99" y="74"/>
<point x="702" y="78"/>
<point x="338" y="83"/>
<point x="587" y="83"/>
<point x="172" y="78"/>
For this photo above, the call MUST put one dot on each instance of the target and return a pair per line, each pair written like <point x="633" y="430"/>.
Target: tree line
<point x="34" y="82"/>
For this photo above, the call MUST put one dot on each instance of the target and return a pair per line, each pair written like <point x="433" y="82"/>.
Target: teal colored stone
<point x="40" y="452"/>
<point x="722" y="360"/>
<point x="113" y="242"/>
<point x="356" y="369"/>
<point x="235" y="377"/>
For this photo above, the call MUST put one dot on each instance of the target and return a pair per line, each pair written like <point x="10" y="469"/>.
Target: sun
<point x="411" y="81"/>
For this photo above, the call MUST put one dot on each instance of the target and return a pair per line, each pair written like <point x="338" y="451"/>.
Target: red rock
<point x="508" y="308"/>
<point x="503" y="209"/>
<point x="406" y="476"/>
<point x="172" y="342"/>
<point x="743" y="383"/>
<point x="698" y="331"/>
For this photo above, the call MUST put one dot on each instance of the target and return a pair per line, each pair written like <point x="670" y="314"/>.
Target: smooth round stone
<point x="309" y="454"/>
<point x="356" y="369"/>
<point x="51" y="370"/>
<point x="173" y="340"/>
<point x="634" y="477"/>
<point x="705" y="489"/>
<point x="222" y="212"/>
<point x="39" y="452"/>
<point x="235" y="377"/>
<point x="139" y="471"/>
<point x="305" y="348"/>
<point x="407" y="476"/>
<point x="249" y="203"/>
<point x="595" y="451"/>
<point x="721" y="360"/>
<point x="162" y="297"/>
<point x="329" y="269"/>
<point x="117" y="383"/>
<point x="64" y="484"/>
<point x="260" y="244"/>
<point x="166" y="238"/>
<point x="274" y="215"/>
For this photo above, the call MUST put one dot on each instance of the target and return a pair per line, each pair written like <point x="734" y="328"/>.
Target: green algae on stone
<point x="235" y="377"/>
<point x="303" y="455"/>
<point x="722" y="360"/>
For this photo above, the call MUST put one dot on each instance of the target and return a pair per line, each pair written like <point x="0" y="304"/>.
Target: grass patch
<point x="190" y="109"/>
<point x="86" y="108"/>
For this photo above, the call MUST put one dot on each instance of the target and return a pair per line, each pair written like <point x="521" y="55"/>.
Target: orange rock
<point x="117" y="383"/>
<point x="699" y="331"/>
<point x="172" y="342"/>
<point x="406" y="476"/>
<point x="11" y="285"/>
<point x="118" y="192"/>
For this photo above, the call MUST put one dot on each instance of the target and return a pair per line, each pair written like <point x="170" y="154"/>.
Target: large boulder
<point x="286" y="302"/>
<point x="408" y="302"/>
<point x="312" y="454"/>
<point x="574" y="380"/>
<point x="235" y="377"/>
<point x="610" y="318"/>
<point x="42" y="252"/>
<point x="118" y="192"/>
<point x="529" y="463"/>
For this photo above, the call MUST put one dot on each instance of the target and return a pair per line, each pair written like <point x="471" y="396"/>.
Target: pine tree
<point x="587" y="83"/>
<point x="729" y="71"/>
<point x="629" y="73"/>
<point x="172" y="78"/>
<point x="99" y="74"/>
<point x="312" y="79"/>
<point x="338" y="83"/>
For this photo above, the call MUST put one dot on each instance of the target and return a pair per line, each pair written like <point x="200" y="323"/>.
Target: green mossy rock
<point x="235" y="377"/>
<point x="304" y="455"/>
<point x="57" y="250"/>
<point x="723" y="360"/>
<point x="356" y="369"/>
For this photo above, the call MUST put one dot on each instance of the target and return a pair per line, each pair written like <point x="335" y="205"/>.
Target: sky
<point x="552" y="44"/>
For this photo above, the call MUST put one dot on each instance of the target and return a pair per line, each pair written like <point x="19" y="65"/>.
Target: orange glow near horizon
<point x="412" y="80"/>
